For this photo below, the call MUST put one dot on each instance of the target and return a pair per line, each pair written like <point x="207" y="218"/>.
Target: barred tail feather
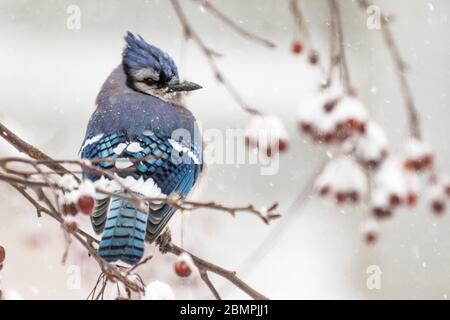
<point x="157" y="220"/>
<point x="124" y="233"/>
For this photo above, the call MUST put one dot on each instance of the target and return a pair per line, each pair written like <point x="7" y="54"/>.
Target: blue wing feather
<point x="155" y="161"/>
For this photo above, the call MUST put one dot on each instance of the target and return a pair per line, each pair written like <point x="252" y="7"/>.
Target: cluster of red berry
<point x="368" y="169"/>
<point x="370" y="149"/>
<point x="298" y="48"/>
<point x="393" y="187"/>
<point x="343" y="180"/>
<point x="81" y="199"/>
<point x="330" y="117"/>
<point x="267" y="134"/>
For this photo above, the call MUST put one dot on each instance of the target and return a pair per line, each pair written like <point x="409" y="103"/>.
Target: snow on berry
<point x="370" y="230"/>
<point x="70" y="224"/>
<point x="343" y="179"/>
<point x="86" y="197"/>
<point x="329" y="116"/>
<point x="351" y="113"/>
<point x="371" y="148"/>
<point x="380" y="205"/>
<point x="184" y="265"/>
<point x="87" y="188"/>
<point x="393" y="187"/>
<point x="417" y="154"/>
<point x="266" y="133"/>
<point x="313" y="107"/>
<point x="68" y="182"/>
<point x="158" y="290"/>
<point x="68" y="202"/>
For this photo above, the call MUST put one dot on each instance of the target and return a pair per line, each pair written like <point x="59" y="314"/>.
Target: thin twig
<point x="345" y="73"/>
<point x="236" y="27"/>
<point x="210" y="55"/>
<point x="301" y="30"/>
<point x="401" y="68"/>
<point x="142" y="262"/>
<point x="28" y="149"/>
<point x="204" y="276"/>
<point x="299" y="21"/>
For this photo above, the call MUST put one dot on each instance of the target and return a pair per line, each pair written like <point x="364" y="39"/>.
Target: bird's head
<point x="150" y="70"/>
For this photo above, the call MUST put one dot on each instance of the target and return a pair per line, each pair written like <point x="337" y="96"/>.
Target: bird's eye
<point x="148" y="81"/>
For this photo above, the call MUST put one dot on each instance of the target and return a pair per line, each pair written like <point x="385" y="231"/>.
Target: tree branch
<point x="111" y="273"/>
<point x="401" y="68"/>
<point x="342" y="57"/>
<point x="210" y="55"/>
<point x="236" y="27"/>
<point x="28" y="149"/>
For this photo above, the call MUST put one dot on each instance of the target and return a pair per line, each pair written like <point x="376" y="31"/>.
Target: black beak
<point x="184" y="86"/>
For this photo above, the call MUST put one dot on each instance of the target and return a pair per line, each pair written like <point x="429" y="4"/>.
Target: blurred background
<point x="49" y="78"/>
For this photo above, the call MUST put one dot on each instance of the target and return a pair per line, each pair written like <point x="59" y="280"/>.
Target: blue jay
<point x="149" y="142"/>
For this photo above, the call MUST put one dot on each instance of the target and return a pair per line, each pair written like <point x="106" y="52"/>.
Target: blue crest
<point x="148" y="63"/>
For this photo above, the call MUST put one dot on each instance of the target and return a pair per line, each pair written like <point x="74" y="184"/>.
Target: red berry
<point x="314" y="57"/>
<point x="411" y="199"/>
<point x="2" y="254"/>
<point x="249" y="143"/>
<point x="70" y="209"/>
<point x="340" y="197"/>
<point x="353" y="196"/>
<point x="426" y="162"/>
<point x="297" y="47"/>
<point x="327" y="138"/>
<point x="324" y="191"/>
<point x="305" y="127"/>
<point x="182" y="269"/>
<point x="282" y="145"/>
<point x="394" y="200"/>
<point x="372" y="164"/>
<point x="410" y="165"/>
<point x="370" y="237"/>
<point x="356" y="125"/>
<point x="70" y="226"/>
<point x="86" y="204"/>
<point x="382" y="213"/>
<point x="329" y="106"/>
<point x="438" y="207"/>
